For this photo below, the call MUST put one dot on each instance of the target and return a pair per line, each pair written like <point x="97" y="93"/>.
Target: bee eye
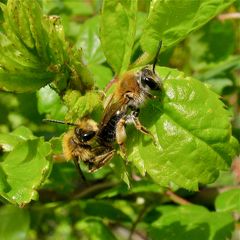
<point x="150" y="83"/>
<point x="87" y="136"/>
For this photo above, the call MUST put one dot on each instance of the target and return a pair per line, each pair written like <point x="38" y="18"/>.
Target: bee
<point x="93" y="144"/>
<point x="123" y="108"/>
<point x="79" y="145"/>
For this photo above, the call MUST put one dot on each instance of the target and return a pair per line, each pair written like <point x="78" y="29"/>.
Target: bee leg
<point x="149" y="95"/>
<point x="133" y="118"/>
<point x="83" y="179"/>
<point x="99" y="161"/>
<point x="121" y="137"/>
<point x="142" y="129"/>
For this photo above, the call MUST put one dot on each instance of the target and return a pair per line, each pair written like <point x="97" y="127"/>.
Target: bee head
<point x="85" y="129"/>
<point x="149" y="79"/>
<point x="83" y="135"/>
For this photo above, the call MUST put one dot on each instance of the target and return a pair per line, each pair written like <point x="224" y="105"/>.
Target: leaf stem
<point x="111" y="82"/>
<point x="175" y="198"/>
<point x="227" y="16"/>
<point x="139" y="218"/>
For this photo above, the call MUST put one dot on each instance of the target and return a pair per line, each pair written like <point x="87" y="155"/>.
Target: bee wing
<point x="113" y="105"/>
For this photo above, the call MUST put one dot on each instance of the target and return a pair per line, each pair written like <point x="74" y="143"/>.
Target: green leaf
<point x="193" y="135"/>
<point x="23" y="133"/>
<point x="171" y="21"/>
<point x="218" y="84"/>
<point x="120" y="189"/>
<point x="32" y="48"/>
<point x="15" y="223"/>
<point x="217" y="70"/>
<point x="104" y="209"/>
<point x="23" y="80"/>
<point x="80" y="106"/>
<point x="210" y="49"/>
<point x="88" y="40"/>
<point x="102" y="75"/>
<point x="9" y="141"/>
<point x="192" y="222"/>
<point x="117" y="32"/>
<point x="226" y="178"/>
<point x="81" y="77"/>
<point x="137" y="187"/>
<point x="62" y="179"/>
<point x="28" y="106"/>
<point x="34" y="51"/>
<point x="228" y="201"/>
<point x="95" y="229"/>
<point x="79" y="7"/>
<point x="24" y="168"/>
<point x="50" y="102"/>
<point x="154" y="214"/>
<point x="120" y="170"/>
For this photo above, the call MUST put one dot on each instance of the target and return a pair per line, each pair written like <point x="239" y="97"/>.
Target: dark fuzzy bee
<point x="79" y="144"/>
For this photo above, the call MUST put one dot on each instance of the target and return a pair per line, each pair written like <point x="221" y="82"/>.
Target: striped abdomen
<point x="107" y="134"/>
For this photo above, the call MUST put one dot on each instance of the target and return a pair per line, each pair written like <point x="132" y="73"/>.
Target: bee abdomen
<point x="107" y="135"/>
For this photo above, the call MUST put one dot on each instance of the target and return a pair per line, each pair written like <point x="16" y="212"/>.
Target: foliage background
<point x="107" y="209"/>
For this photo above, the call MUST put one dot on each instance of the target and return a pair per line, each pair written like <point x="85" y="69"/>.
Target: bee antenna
<point x="156" y="56"/>
<point x="60" y="122"/>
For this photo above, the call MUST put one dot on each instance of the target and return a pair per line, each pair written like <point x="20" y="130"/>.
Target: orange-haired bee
<point x="79" y="144"/>
<point x="123" y="108"/>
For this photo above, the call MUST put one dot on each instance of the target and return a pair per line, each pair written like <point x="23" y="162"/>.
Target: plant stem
<point x="227" y="16"/>
<point x="139" y="218"/>
<point x="175" y="198"/>
<point x="93" y="188"/>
